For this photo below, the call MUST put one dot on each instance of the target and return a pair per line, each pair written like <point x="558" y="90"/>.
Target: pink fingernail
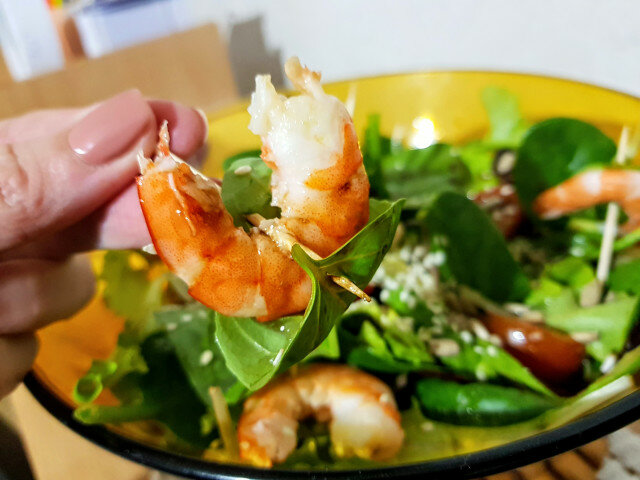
<point x="110" y="128"/>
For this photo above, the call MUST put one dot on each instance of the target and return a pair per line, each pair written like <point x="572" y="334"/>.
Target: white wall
<point x="591" y="40"/>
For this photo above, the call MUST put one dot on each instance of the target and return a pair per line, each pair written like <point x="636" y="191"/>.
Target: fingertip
<point x="188" y="127"/>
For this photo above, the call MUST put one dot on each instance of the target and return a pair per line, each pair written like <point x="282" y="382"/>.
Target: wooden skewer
<point x="285" y="240"/>
<point x="223" y="418"/>
<point x="592" y="293"/>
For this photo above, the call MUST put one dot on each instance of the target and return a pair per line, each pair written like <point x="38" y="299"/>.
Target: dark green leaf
<point x="191" y="331"/>
<point x="555" y="150"/>
<point x="476" y="251"/>
<point x="255" y="351"/>
<point x="167" y="396"/>
<point x="250" y="192"/>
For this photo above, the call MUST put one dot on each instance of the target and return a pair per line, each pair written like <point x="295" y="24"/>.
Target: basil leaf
<point x="555" y="150"/>
<point x="191" y="332"/>
<point x="255" y="351"/>
<point x="247" y="193"/>
<point x="476" y="251"/>
<point x="507" y="127"/>
<point x="418" y="175"/>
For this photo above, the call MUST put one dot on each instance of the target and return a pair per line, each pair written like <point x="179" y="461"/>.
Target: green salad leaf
<point x="129" y="290"/>
<point x="374" y="148"/>
<point x="553" y="151"/>
<point x="418" y="175"/>
<point x="191" y="331"/>
<point x="476" y="251"/>
<point x="481" y="359"/>
<point x="626" y="278"/>
<point x="163" y="393"/>
<point x="103" y="374"/>
<point x="612" y="321"/>
<point x="507" y="127"/>
<point x="248" y="192"/>
<point x="255" y="351"/>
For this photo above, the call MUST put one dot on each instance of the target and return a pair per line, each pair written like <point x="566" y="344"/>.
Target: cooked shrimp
<point x="318" y="177"/>
<point x="318" y="182"/>
<point x="592" y="188"/>
<point x="363" y="418"/>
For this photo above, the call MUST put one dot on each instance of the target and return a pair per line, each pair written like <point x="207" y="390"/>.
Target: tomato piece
<point x="552" y="356"/>
<point x="503" y="206"/>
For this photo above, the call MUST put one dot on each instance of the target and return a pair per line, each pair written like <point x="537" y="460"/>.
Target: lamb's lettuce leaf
<point x="553" y="151"/>
<point x="476" y="252"/>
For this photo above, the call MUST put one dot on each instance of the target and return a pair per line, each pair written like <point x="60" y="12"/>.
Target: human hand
<point x="66" y="186"/>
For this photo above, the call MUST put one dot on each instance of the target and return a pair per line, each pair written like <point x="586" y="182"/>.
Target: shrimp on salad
<point x="590" y="188"/>
<point x="363" y="418"/>
<point x="318" y="181"/>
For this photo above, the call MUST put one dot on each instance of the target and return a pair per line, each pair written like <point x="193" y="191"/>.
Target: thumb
<point x="51" y="182"/>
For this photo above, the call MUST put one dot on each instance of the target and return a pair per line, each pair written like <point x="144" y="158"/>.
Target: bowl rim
<point x="466" y="466"/>
<point x="534" y="448"/>
<point x="241" y="102"/>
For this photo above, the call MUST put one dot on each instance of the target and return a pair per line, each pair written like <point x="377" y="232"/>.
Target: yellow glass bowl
<point x="445" y="106"/>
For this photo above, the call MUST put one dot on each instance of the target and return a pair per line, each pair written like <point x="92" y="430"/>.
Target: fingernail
<point x="205" y="120"/>
<point x="110" y="128"/>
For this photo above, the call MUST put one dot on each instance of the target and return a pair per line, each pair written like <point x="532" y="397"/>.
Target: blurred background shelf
<point x="191" y="67"/>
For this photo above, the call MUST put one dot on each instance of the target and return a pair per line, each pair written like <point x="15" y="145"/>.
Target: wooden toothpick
<point x="592" y="293"/>
<point x="285" y="240"/>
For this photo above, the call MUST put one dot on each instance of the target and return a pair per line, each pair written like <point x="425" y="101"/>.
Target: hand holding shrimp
<point x="318" y="182"/>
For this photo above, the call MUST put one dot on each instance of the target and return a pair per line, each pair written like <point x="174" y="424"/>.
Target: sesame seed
<point x="402" y="380"/>
<point x="187" y="317"/>
<point x="426" y="426"/>
<point x="480" y="330"/>
<point x="444" y="347"/>
<point x="206" y="357"/>
<point x="492" y="351"/>
<point x="384" y="295"/>
<point x="507" y="189"/>
<point x="608" y="364"/>
<point x="584" y="337"/>
<point x="478" y="349"/>
<point x="243" y="170"/>
<point x="481" y="374"/>
<point x="171" y="326"/>
<point x="466" y="336"/>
